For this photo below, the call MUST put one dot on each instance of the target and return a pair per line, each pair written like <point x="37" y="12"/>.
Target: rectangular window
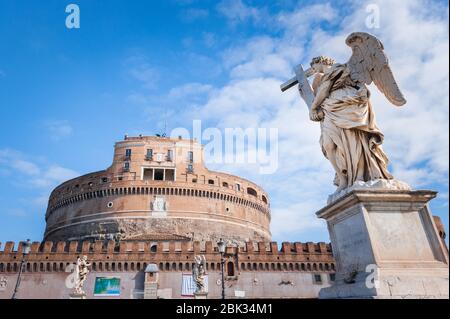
<point x="149" y="155"/>
<point x="169" y="155"/>
<point x="332" y="277"/>
<point x="148" y="174"/>
<point x="317" y="279"/>
<point x="170" y="175"/>
<point x="128" y="152"/>
<point x="190" y="168"/>
<point x="238" y="187"/>
<point x="191" y="157"/>
<point x="159" y="174"/>
<point x="126" y="166"/>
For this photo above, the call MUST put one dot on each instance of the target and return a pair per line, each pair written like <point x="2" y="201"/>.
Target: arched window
<point x="210" y="181"/>
<point x="230" y="269"/>
<point x="252" y="192"/>
<point x="264" y="199"/>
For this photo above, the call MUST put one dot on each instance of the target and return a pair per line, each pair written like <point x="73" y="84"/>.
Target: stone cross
<point x="304" y="87"/>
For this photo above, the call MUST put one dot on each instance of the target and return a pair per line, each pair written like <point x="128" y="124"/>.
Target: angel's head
<point x="320" y="63"/>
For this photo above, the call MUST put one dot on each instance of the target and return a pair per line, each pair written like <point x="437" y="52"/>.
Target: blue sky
<point x="67" y="95"/>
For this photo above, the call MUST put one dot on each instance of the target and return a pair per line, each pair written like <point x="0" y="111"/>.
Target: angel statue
<point x="340" y="101"/>
<point x="82" y="271"/>
<point x="198" y="273"/>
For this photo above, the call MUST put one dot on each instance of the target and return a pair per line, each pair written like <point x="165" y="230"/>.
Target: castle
<point x="141" y="222"/>
<point x="158" y="189"/>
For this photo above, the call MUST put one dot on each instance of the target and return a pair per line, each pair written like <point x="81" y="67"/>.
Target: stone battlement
<point x="110" y="255"/>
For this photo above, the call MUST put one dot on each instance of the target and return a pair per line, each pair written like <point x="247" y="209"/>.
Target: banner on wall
<point x="107" y="286"/>
<point x="188" y="285"/>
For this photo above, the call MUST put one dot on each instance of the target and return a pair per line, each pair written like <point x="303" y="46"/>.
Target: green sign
<point x="107" y="286"/>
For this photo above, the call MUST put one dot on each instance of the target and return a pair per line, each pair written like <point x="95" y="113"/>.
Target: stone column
<point x="386" y="245"/>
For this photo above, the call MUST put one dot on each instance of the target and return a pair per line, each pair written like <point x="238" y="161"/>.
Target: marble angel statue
<point x="198" y="273"/>
<point x="350" y="138"/>
<point x="81" y="271"/>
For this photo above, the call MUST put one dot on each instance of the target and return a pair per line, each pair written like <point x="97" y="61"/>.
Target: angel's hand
<point x="316" y="115"/>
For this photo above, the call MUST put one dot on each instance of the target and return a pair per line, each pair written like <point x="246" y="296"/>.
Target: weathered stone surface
<point x="262" y="270"/>
<point x="389" y="238"/>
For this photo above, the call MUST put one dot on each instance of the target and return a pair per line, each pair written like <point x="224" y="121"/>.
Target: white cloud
<point x="30" y="174"/>
<point x="193" y="14"/>
<point x="237" y="11"/>
<point x="417" y="137"/>
<point x="142" y="70"/>
<point x="58" y="129"/>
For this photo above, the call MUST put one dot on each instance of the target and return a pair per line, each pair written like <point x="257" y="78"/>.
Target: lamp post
<point x="221" y="247"/>
<point x="26" y="246"/>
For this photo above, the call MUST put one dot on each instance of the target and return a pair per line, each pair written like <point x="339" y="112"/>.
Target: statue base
<point x="150" y="290"/>
<point x="200" y="295"/>
<point x="76" y="295"/>
<point x="386" y="245"/>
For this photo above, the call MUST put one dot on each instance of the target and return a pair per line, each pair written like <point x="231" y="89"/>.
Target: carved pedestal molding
<point x="386" y="245"/>
<point x="200" y="295"/>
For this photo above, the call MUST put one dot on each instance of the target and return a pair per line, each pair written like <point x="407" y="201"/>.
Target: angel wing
<point x="369" y="63"/>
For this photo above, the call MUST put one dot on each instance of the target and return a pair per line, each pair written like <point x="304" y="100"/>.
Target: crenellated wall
<point x="290" y="269"/>
<point x="312" y="254"/>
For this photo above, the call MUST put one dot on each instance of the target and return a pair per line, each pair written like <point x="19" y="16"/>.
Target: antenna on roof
<point x="164" y="134"/>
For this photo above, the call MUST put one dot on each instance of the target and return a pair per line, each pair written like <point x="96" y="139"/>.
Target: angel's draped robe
<point x="349" y="126"/>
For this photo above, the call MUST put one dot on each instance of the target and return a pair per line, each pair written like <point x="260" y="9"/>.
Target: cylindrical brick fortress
<point x="158" y="189"/>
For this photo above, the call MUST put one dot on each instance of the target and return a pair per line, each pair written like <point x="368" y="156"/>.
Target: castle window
<point x="169" y="155"/>
<point x="104" y="179"/>
<point x="264" y="199"/>
<point x="127" y="153"/>
<point x="126" y="166"/>
<point x="332" y="277"/>
<point x="159" y="174"/>
<point x="211" y="182"/>
<point x="149" y="155"/>
<point x="225" y="184"/>
<point x="252" y="192"/>
<point x="148" y="174"/>
<point x="238" y="187"/>
<point x="190" y="157"/>
<point x="230" y="269"/>
<point x="317" y="279"/>
<point x="170" y="175"/>
<point x="190" y="168"/>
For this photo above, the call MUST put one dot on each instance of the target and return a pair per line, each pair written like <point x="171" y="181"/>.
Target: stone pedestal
<point x="77" y="296"/>
<point x="200" y="295"/>
<point x="150" y="290"/>
<point x="386" y="245"/>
